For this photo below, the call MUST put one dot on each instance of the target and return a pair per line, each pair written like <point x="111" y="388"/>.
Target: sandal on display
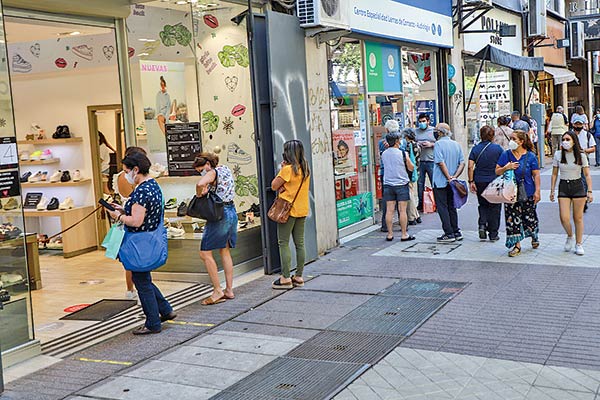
<point x="209" y="301"/>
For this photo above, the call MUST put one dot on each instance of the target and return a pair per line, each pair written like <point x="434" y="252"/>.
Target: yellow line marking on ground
<point x="105" y="361"/>
<point x="189" y="323"/>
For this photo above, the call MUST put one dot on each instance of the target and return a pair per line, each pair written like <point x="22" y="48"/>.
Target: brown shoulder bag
<point x="280" y="210"/>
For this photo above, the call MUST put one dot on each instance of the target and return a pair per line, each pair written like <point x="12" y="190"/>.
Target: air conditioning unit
<point x="323" y="13"/>
<point x="577" y="40"/>
<point x="536" y="19"/>
<point x="477" y="2"/>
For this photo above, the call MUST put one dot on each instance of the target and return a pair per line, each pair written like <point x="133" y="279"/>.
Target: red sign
<point x="76" y="308"/>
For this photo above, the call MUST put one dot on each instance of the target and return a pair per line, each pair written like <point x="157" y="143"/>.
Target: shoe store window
<point x="192" y="93"/>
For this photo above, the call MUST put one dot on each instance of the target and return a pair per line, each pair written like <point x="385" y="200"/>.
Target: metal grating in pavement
<point x="388" y="315"/>
<point x="354" y="347"/>
<point x="425" y="288"/>
<point x="292" y="378"/>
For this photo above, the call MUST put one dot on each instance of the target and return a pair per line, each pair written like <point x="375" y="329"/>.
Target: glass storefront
<point x="492" y="95"/>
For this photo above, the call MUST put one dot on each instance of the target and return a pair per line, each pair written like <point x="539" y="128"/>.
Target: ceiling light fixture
<point x="181" y="2"/>
<point x="75" y="33"/>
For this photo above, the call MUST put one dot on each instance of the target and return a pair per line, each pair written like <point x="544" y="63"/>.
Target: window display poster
<point x="354" y="209"/>
<point x="8" y="152"/>
<point x="183" y="145"/>
<point x="163" y="94"/>
<point x="494" y="96"/>
<point x="383" y="68"/>
<point x="362" y="120"/>
<point x="428" y="107"/>
<point x="344" y="153"/>
<point x="9" y="183"/>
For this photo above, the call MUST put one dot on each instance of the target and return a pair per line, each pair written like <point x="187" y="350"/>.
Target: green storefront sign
<point x="383" y="68"/>
<point x="354" y="209"/>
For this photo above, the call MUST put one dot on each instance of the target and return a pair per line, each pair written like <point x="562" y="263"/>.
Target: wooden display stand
<point x="82" y="238"/>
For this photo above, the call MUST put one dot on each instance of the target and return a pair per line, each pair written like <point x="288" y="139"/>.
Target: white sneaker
<point x="569" y="243"/>
<point x="35" y="177"/>
<point x="56" y="176"/>
<point x="76" y="176"/>
<point x="579" y="249"/>
<point x="175" y="232"/>
<point x="41" y="206"/>
<point x="131" y="295"/>
<point x="66" y="204"/>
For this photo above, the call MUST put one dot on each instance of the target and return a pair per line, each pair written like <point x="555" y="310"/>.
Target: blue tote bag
<point x="144" y="251"/>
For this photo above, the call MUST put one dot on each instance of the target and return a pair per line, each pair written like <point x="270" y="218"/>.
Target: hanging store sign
<point x="383" y="68"/>
<point x="493" y="20"/>
<point x="409" y="20"/>
<point x="583" y="8"/>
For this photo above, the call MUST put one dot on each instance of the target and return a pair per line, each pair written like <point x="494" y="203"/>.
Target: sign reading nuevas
<point x="417" y="21"/>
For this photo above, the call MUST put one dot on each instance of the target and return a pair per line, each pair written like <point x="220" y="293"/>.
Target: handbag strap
<point x="480" y="154"/>
<point x="299" y="189"/>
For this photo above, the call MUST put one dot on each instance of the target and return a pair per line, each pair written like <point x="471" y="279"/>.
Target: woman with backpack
<point x="482" y="171"/>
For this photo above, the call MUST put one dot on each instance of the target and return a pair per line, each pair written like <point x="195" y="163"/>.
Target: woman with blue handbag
<point x="220" y="234"/>
<point x="144" y="246"/>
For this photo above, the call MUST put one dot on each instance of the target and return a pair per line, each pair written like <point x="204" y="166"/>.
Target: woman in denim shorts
<point x="220" y="235"/>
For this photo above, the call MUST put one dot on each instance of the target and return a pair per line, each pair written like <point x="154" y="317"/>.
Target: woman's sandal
<point x="297" y="282"/>
<point x="209" y="301"/>
<point x="514" y="252"/>
<point x="282" y="286"/>
<point x="535" y="244"/>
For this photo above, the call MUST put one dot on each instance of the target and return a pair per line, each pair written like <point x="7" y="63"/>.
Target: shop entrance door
<point x="280" y="73"/>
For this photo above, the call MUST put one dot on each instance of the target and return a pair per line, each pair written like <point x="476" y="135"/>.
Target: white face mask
<point x="567" y="145"/>
<point x="130" y="177"/>
<point x="513" y="145"/>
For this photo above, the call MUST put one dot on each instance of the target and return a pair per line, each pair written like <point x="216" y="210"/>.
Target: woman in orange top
<point x="292" y="182"/>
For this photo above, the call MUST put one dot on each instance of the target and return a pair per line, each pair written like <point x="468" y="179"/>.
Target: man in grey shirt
<point x="395" y="185"/>
<point x="426" y="141"/>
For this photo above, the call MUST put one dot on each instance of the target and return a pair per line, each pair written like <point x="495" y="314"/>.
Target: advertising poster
<point x="383" y="68"/>
<point x="163" y="94"/>
<point x="354" y="209"/>
<point x="428" y="107"/>
<point x="344" y="153"/>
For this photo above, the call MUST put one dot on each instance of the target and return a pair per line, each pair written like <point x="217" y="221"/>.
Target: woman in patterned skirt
<point x="521" y="217"/>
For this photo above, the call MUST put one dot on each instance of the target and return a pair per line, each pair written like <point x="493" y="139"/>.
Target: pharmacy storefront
<point x="390" y="67"/>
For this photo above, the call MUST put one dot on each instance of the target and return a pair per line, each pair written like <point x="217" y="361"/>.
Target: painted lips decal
<point x="238" y="110"/>
<point x="211" y="21"/>
<point x="131" y="52"/>
<point x="60" y="63"/>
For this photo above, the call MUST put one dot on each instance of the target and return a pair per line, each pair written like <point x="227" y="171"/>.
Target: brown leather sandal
<point x="209" y="301"/>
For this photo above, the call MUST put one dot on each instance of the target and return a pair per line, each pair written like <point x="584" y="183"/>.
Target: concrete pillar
<point x="321" y="147"/>
<point x="457" y="102"/>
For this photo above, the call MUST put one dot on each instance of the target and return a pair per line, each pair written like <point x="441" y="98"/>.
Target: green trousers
<point x="293" y="227"/>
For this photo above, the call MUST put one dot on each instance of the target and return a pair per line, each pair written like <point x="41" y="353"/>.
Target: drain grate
<point x="293" y="378"/>
<point x="431" y="248"/>
<point x="389" y="315"/>
<point x="354" y="347"/>
<point x="421" y="288"/>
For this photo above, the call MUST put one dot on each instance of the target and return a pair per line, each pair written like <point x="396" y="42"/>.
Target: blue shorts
<point x="396" y="193"/>
<point x="218" y="234"/>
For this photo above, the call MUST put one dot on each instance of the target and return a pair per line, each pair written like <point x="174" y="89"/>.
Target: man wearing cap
<point x="586" y="141"/>
<point x="449" y="163"/>
<point x="559" y="124"/>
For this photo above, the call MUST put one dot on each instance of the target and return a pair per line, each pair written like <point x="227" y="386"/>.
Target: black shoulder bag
<point x="209" y="206"/>
<point x="521" y="191"/>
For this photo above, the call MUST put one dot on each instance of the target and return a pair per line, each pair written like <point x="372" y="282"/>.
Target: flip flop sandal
<point x="514" y="252"/>
<point x="535" y="244"/>
<point x="297" y="283"/>
<point x="209" y="301"/>
<point x="228" y="297"/>
<point x="281" y="286"/>
<point x="408" y="239"/>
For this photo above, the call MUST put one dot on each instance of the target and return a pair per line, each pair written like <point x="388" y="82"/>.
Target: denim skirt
<point x="217" y="234"/>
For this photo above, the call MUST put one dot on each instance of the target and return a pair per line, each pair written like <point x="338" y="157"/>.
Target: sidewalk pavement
<point x="378" y="320"/>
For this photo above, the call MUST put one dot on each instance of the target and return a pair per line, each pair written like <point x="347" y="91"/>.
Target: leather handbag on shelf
<point x="280" y="210"/>
<point x="208" y="207"/>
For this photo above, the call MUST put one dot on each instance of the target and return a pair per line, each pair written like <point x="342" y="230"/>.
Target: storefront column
<point x="589" y="81"/>
<point x="126" y="83"/>
<point x="563" y="95"/>
<point x="457" y="101"/>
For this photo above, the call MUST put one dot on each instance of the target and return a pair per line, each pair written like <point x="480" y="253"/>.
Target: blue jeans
<point x="153" y="302"/>
<point x="597" y="162"/>
<point x="425" y="167"/>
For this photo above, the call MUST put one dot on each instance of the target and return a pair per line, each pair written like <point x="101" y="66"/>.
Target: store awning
<point x="561" y="75"/>
<point x="509" y="60"/>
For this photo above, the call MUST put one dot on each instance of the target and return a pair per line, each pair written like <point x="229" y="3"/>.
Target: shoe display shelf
<point x="46" y="142"/>
<point x="33" y="261"/>
<point x="40" y="162"/>
<point x="48" y="183"/>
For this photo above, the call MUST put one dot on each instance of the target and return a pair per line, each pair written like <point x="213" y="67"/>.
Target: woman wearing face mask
<point x="143" y="213"/>
<point x="571" y="193"/>
<point x="595" y="130"/>
<point x="219" y="235"/>
<point x="521" y="217"/>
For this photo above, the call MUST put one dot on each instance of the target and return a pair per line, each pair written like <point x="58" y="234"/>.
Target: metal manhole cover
<point x="293" y="378"/>
<point x="432" y="248"/>
<point x="389" y="315"/>
<point x="354" y="347"/>
<point x="422" y="288"/>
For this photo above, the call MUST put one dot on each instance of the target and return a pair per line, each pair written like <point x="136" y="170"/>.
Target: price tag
<point x="9" y="157"/>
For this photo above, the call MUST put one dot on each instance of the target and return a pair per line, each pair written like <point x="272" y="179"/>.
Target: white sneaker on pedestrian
<point x="579" y="249"/>
<point x="569" y="243"/>
<point x="131" y="295"/>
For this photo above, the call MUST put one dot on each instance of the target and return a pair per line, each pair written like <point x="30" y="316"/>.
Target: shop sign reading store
<point x="492" y="20"/>
<point x="409" y="20"/>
